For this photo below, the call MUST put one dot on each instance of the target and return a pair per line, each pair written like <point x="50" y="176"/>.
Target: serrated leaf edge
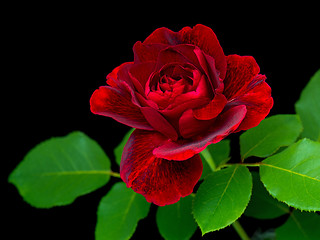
<point x="202" y="232"/>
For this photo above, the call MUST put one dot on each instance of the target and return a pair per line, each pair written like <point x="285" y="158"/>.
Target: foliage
<point x="58" y="170"/>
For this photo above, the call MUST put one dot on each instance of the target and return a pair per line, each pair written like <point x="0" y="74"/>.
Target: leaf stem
<point x="113" y="174"/>
<point x="237" y="226"/>
<point x="258" y="164"/>
<point x="207" y="156"/>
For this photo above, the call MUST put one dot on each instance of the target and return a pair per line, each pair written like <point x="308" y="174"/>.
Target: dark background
<point x="57" y="55"/>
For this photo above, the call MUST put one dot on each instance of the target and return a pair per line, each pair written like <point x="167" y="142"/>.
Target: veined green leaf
<point x="175" y="222"/>
<point x="308" y="108"/>
<point x="222" y="198"/>
<point x="58" y="170"/>
<point x="300" y="225"/>
<point x="271" y="134"/>
<point x="293" y="175"/>
<point x="119" y="213"/>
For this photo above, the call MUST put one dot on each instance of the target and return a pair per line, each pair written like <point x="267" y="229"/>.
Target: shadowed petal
<point x="159" y="123"/>
<point x="189" y="126"/>
<point x="147" y="52"/>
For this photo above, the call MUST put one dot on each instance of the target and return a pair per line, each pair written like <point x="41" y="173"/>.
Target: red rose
<point x="181" y="93"/>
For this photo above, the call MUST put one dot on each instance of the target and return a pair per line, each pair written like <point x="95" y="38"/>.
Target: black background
<point x="57" y="55"/>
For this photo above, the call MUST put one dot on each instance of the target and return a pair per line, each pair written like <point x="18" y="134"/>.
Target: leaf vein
<point x="289" y="171"/>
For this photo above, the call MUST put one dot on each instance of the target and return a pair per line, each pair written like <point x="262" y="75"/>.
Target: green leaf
<point x="119" y="213"/>
<point x="119" y="149"/>
<point x="271" y="134"/>
<point x="218" y="154"/>
<point x="222" y="198"/>
<point x="308" y="108"/>
<point x="175" y="222"/>
<point x="300" y="225"/>
<point x="293" y="176"/>
<point x="262" y="205"/>
<point x="58" y="170"/>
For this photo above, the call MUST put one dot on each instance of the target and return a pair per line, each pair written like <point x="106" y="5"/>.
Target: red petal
<point x="113" y="76"/>
<point x="241" y="72"/>
<point x="178" y="54"/>
<point x="140" y="74"/>
<point x="258" y="102"/>
<point x="244" y="85"/>
<point x="173" y="114"/>
<point x="211" y="110"/>
<point x="163" y="35"/>
<point x="225" y="124"/>
<point x="189" y="126"/>
<point x="147" y="52"/>
<point x="208" y="65"/>
<point x="160" y="181"/>
<point x="206" y="40"/>
<point x="159" y="123"/>
<point x="112" y="102"/>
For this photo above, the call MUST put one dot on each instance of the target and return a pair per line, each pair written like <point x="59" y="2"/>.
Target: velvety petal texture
<point x="111" y="102"/>
<point x="244" y="85"/>
<point x="161" y="181"/>
<point x="181" y="93"/>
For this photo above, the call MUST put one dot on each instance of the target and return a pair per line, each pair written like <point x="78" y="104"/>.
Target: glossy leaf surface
<point x="293" y="175"/>
<point x="60" y="169"/>
<point x="176" y="222"/>
<point x="308" y="108"/>
<point x="271" y="134"/>
<point x="119" y="213"/>
<point x="222" y="198"/>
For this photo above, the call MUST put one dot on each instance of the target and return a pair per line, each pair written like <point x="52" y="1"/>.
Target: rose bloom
<point x="181" y="93"/>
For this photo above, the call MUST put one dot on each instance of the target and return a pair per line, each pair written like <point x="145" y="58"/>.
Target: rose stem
<point x="243" y="235"/>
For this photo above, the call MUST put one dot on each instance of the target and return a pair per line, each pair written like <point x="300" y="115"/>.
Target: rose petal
<point x="173" y="114"/>
<point x="160" y="181"/>
<point x="241" y="72"/>
<point x="147" y="52"/>
<point x="225" y="124"/>
<point x="201" y="93"/>
<point x="113" y="76"/>
<point x="203" y="37"/>
<point x="163" y="35"/>
<point x="178" y="54"/>
<point x="159" y="123"/>
<point x="211" y="110"/>
<point x="208" y="65"/>
<point x="244" y="85"/>
<point x="140" y="74"/>
<point x="112" y="102"/>
<point x="189" y="126"/>
<point x="258" y="102"/>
